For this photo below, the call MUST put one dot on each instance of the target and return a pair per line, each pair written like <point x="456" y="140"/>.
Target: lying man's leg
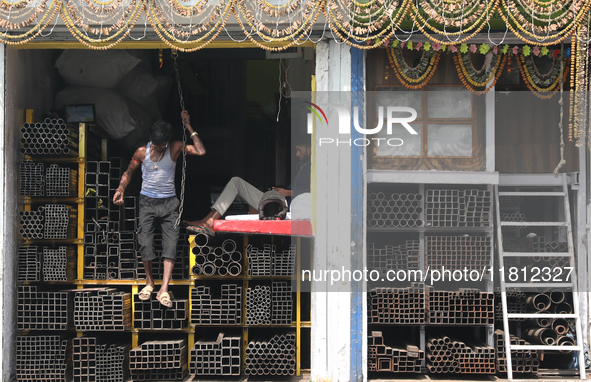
<point x="236" y="186"/>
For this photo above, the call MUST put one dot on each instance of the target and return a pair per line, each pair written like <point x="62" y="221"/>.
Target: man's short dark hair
<point x="160" y="132"/>
<point x="304" y="142"/>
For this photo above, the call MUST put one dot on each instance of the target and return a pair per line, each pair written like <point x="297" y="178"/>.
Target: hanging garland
<point x="413" y="77"/>
<point x="94" y="23"/>
<point x="538" y="82"/>
<point x="473" y="78"/>
<point x="15" y="16"/>
<point x="458" y="21"/>
<point x="263" y="19"/>
<point x="365" y="25"/>
<point x="201" y="23"/>
<point x="543" y="22"/>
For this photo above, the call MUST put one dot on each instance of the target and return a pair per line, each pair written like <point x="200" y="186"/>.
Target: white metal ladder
<point x="570" y="285"/>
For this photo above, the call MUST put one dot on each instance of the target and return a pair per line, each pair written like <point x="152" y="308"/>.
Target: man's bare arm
<point x="135" y="162"/>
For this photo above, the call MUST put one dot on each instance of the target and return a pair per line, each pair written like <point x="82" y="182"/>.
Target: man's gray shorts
<point x="153" y="212"/>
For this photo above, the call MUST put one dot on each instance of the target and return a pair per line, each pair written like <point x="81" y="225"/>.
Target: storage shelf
<point x="57" y="199"/>
<point x="53" y="241"/>
<point x="46" y="159"/>
<point x="455" y="230"/>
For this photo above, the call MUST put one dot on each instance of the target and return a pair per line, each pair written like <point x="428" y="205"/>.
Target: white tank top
<point x="158" y="177"/>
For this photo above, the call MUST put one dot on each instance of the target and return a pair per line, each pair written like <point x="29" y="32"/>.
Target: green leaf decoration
<point x="443" y="48"/>
<point x="484" y="48"/>
<point x="464" y="48"/>
<point x="409" y="45"/>
<point x="427" y="46"/>
<point x="396" y="43"/>
<point x="505" y="49"/>
<point x="544" y="51"/>
<point x="526" y="50"/>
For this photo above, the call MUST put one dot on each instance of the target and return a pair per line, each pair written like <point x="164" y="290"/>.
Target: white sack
<point x="115" y="114"/>
<point x="101" y="69"/>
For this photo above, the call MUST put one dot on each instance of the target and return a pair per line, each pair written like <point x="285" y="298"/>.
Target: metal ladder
<point x="571" y="285"/>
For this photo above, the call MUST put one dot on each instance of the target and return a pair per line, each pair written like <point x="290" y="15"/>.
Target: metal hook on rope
<point x="174" y="54"/>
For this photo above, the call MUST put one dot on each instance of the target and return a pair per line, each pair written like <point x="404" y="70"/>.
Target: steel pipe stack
<point x="159" y="360"/>
<point x="513" y="217"/>
<point x="515" y="304"/>
<point x="275" y="357"/>
<point x="396" y="360"/>
<point x="397" y="305"/>
<point x="226" y="310"/>
<point x="59" y="264"/>
<point x="463" y="307"/>
<point x="445" y="355"/>
<point x="151" y="314"/>
<point x="397" y="210"/>
<point x="258" y="305"/>
<point x="50" y="137"/>
<point x="281" y="303"/>
<point x="515" y="244"/>
<point x="32" y="179"/>
<point x="31" y="223"/>
<point x="511" y="201"/>
<point x="457" y="252"/>
<point x="34" y="308"/>
<point x="128" y="256"/>
<point x="522" y="361"/>
<point x="393" y="257"/>
<point x="100" y="362"/>
<point x="223" y="260"/>
<point x="57" y="221"/>
<point x="61" y="181"/>
<point x="458" y="208"/>
<point x="221" y="357"/>
<point x="42" y="358"/>
<point x="260" y="261"/>
<point x="284" y="263"/>
<point x="102" y="309"/>
<point x="28" y="263"/>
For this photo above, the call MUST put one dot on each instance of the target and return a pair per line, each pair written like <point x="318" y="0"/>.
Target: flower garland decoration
<point x="365" y="25"/>
<point x="32" y="15"/>
<point x="484" y="77"/>
<point x="94" y="22"/>
<point x="413" y="77"/>
<point x="187" y="28"/>
<point x="543" y="22"/>
<point x="263" y="19"/>
<point x="541" y="82"/>
<point x="581" y="89"/>
<point x="457" y="21"/>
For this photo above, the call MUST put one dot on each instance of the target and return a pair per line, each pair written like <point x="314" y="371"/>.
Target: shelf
<point x="231" y="278"/>
<point x="52" y="241"/>
<point x="56" y="199"/>
<point x="455" y="230"/>
<point x="46" y="159"/>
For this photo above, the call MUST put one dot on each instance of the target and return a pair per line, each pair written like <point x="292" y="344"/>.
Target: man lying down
<point x="299" y="192"/>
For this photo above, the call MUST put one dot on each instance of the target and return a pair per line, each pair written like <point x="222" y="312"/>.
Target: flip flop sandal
<point x="197" y="229"/>
<point x="146" y="293"/>
<point x="164" y="299"/>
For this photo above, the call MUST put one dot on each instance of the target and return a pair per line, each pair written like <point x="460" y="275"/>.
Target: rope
<point x="561" y="103"/>
<point x="174" y="55"/>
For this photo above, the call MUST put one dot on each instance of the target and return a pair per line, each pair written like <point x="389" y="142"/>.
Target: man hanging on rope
<point x="158" y="202"/>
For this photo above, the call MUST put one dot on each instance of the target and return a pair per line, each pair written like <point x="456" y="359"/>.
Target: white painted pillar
<point x="331" y="304"/>
<point x="3" y="197"/>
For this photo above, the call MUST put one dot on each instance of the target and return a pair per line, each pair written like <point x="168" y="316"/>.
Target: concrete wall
<point x="28" y="84"/>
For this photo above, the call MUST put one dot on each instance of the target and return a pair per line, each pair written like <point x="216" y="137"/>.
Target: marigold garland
<point x="537" y="82"/>
<point x="420" y="75"/>
<point x="473" y="78"/>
